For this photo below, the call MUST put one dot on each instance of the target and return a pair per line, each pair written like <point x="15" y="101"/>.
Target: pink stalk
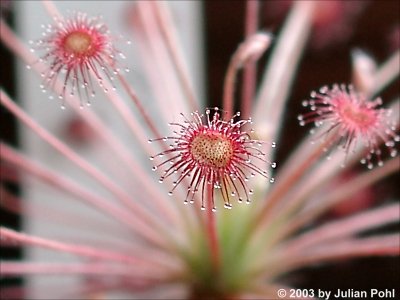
<point x="248" y="51"/>
<point x="60" y="182"/>
<point x="138" y="104"/>
<point x="388" y="244"/>
<point x="157" y="84"/>
<point x="346" y="190"/>
<point x="212" y="233"/>
<point x="386" y="73"/>
<point x="15" y="45"/>
<point x="10" y="268"/>
<point x="93" y="289"/>
<point x="283" y="183"/>
<point x="363" y="71"/>
<point x="145" y="273"/>
<point x="170" y="36"/>
<point x="111" y="235"/>
<point x="132" y="94"/>
<point x="52" y="9"/>
<point x="279" y="74"/>
<point x="229" y="87"/>
<point x="281" y="263"/>
<point x="88" y="289"/>
<point x="370" y="80"/>
<point x="144" y="20"/>
<point x="155" y="47"/>
<point x="118" y="273"/>
<point x="250" y="70"/>
<point x="143" y="218"/>
<point x="127" y="115"/>
<point x="96" y="289"/>
<point x="345" y="227"/>
<point x="79" y="250"/>
<point x="297" y="198"/>
<point x="17" y="205"/>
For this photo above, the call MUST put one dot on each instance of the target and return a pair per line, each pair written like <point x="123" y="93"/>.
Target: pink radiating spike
<point x="388" y="244"/>
<point x="250" y="70"/>
<point x="344" y="192"/>
<point x="169" y="34"/>
<point x="18" y="205"/>
<point x="85" y="251"/>
<point x="10" y="268"/>
<point x="280" y="263"/>
<point x="349" y="226"/>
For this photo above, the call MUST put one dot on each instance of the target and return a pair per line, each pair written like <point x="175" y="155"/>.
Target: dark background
<point x="9" y="135"/>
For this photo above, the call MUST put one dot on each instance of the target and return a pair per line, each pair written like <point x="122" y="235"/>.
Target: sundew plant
<point x="151" y="191"/>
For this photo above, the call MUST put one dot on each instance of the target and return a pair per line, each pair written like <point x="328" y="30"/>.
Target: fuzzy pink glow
<point x="352" y="117"/>
<point x="77" y="46"/>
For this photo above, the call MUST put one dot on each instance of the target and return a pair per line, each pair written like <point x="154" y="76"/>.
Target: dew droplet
<point x="228" y="206"/>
